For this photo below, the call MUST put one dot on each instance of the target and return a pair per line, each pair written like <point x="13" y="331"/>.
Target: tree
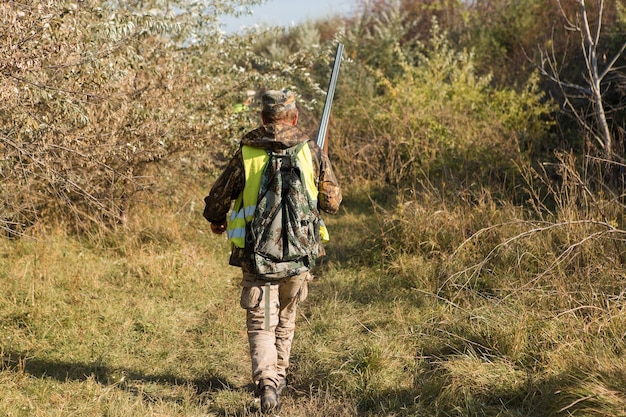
<point x="94" y="93"/>
<point x="598" y="67"/>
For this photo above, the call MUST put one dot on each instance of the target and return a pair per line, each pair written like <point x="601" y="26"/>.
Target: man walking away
<point x="279" y="180"/>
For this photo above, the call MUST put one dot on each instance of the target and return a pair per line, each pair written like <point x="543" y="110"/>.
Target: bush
<point x="436" y="120"/>
<point x="93" y="95"/>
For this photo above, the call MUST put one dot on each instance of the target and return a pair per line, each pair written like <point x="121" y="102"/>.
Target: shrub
<point x="94" y="94"/>
<point x="436" y="120"/>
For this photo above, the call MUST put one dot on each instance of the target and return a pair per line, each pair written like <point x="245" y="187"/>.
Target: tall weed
<point x="534" y="295"/>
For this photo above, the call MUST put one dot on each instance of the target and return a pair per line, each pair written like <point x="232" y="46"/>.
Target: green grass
<point x="406" y="317"/>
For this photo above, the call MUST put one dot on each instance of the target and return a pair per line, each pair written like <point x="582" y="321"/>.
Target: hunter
<point x="270" y="337"/>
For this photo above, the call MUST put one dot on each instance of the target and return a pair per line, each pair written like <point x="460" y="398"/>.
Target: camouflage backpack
<point x="283" y="236"/>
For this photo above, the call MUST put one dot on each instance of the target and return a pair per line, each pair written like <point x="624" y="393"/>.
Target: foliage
<point x="415" y="15"/>
<point x="78" y="113"/>
<point x="509" y="37"/>
<point x="505" y="34"/>
<point x="434" y="118"/>
<point x="94" y="94"/>
<point x="586" y="99"/>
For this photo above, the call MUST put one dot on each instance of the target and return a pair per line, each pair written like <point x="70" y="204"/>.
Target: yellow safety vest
<point x="254" y="161"/>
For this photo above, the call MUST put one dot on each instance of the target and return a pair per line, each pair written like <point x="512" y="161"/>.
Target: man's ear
<point x="295" y="119"/>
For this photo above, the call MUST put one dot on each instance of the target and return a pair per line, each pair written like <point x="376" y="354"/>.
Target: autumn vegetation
<point x="476" y="268"/>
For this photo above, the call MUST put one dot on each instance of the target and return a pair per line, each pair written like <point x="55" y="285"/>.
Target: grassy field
<point x="425" y="310"/>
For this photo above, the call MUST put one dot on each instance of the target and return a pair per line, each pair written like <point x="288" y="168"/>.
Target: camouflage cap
<point x="275" y="101"/>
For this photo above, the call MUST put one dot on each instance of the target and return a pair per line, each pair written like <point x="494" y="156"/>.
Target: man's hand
<point x="218" y="228"/>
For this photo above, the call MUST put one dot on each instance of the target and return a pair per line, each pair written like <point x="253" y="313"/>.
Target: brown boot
<point x="269" y="399"/>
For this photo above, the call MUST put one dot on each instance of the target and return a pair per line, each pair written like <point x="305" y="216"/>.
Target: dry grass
<point x="438" y="310"/>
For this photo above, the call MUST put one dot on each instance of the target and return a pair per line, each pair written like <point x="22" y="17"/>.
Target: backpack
<point x="283" y="237"/>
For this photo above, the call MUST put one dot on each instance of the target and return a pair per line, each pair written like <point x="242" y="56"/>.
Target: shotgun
<point x="321" y="133"/>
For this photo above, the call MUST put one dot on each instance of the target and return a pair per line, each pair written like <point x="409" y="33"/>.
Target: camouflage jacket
<point x="231" y="182"/>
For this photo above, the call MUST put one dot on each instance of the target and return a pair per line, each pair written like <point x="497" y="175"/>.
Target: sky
<point x="289" y="13"/>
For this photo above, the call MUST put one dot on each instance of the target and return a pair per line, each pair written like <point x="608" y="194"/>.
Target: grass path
<point x="146" y="322"/>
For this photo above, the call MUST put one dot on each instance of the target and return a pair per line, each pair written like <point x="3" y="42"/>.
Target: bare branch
<point x="599" y="30"/>
<point x="600" y="132"/>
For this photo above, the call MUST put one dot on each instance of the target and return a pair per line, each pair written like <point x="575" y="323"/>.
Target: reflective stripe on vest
<point x="254" y="161"/>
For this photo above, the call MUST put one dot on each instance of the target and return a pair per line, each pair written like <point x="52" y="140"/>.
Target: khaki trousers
<point x="270" y="336"/>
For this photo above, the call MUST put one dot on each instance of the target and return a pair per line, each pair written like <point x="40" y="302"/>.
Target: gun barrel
<point x="321" y="133"/>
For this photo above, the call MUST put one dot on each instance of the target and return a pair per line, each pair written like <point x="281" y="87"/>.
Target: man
<point x="271" y="305"/>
